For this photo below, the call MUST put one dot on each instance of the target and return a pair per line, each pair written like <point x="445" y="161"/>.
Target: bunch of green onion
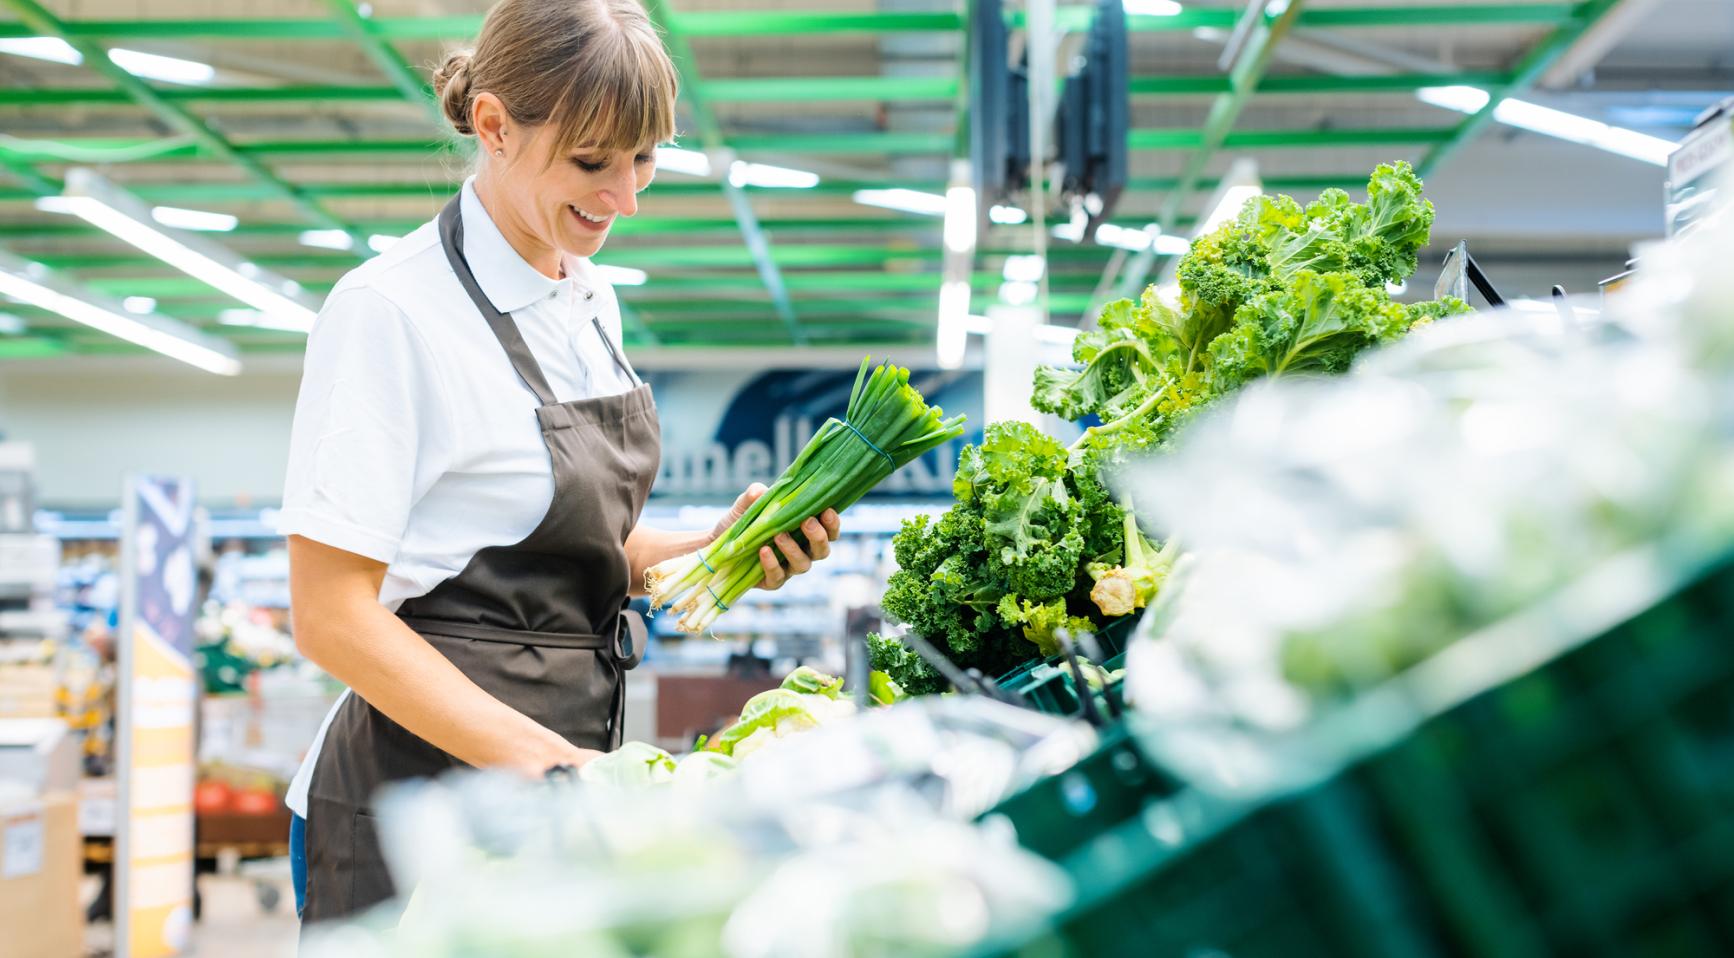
<point x="888" y="423"/>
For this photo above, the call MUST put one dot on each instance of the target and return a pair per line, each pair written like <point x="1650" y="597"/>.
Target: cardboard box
<point x="27" y="691"/>
<point x="40" y="754"/>
<point x="39" y="869"/>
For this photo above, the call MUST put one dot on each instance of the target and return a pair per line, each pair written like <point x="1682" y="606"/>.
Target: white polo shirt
<point x="415" y="443"/>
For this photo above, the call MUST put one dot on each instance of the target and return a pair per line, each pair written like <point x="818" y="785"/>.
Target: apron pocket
<point x="369" y="879"/>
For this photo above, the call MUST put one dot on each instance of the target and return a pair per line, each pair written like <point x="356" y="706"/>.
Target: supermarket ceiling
<point x="309" y="115"/>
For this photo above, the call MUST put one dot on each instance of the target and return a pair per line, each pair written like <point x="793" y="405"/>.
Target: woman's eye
<point x="590" y="167"/>
<point x="645" y="157"/>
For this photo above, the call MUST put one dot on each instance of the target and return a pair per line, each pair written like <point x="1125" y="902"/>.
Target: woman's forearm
<point x="341" y="626"/>
<point x="646" y="547"/>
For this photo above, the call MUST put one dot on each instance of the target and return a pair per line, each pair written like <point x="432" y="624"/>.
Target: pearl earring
<point x="499" y="152"/>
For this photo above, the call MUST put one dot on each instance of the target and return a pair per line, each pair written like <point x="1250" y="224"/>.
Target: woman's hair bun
<point x="452" y="85"/>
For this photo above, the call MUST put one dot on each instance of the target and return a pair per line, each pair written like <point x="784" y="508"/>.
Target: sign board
<point x="158" y="697"/>
<point x="723" y="431"/>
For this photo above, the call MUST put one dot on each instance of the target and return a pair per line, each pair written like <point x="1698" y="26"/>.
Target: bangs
<point x="621" y="96"/>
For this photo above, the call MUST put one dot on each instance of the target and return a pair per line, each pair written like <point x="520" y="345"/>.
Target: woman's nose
<point x="623" y="193"/>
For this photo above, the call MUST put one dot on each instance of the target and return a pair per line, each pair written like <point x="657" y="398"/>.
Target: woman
<point x="471" y="451"/>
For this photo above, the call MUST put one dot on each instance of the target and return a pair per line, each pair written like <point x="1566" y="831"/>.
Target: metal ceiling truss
<point x="889" y="296"/>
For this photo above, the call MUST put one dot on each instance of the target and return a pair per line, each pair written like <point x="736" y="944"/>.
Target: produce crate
<point x="1585" y="807"/>
<point x="1035" y="672"/>
<point x="1059" y="814"/>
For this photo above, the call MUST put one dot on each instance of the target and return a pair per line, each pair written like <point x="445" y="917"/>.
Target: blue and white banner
<point x="722" y="431"/>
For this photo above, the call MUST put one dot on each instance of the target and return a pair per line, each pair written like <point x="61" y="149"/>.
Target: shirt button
<point x="589" y="295"/>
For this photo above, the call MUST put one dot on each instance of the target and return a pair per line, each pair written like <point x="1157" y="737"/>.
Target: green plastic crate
<point x="1061" y="813"/>
<point x="1585" y="807"/>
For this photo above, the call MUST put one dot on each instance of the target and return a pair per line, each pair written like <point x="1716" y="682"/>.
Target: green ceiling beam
<point x="827" y="89"/>
<point x="30" y="347"/>
<point x="711" y="136"/>
<point x="96" y="59"/>
<point x="748" y="90"/>
<point x="702" y="24"/>
<point x="1308" y="83"/>
<point x="1438" y="15"/>
<point x="866" y="142"/>
<point x="1386" y="83"/>
<point x="43" y="151"/>
<point x="406" y="79"/>
<point x="717" y="23"/>
<point x="1244" y="78"/>
<point x="1542" y="56"/>
<point x="1183" y="139"/>
<point x="45" y="96"/>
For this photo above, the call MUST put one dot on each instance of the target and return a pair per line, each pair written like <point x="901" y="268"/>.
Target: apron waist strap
<point x="485" y="633"/>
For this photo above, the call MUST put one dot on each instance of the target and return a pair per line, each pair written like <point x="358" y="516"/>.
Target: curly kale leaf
<point x="1319" y="323"/>
<point x="1039" y="621"/>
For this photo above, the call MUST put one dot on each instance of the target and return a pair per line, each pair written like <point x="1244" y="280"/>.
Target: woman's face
<point x="568" y="202"/>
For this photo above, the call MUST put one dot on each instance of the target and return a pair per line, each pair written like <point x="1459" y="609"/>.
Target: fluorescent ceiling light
<point x="1025" y="268"/>
<point x="51" y="49"/>
<point x="33" y="283"/>
<point x="112" y="209"/>
<point x="198" y="220"/>
<point x="149" y="66"/>
<point x="960" y="219"/>
<point x="11" y="325"/>
<point x="902" y="200"/>
<point x="1018" y="292"/>
<point x="676" y="160"/>
<point x="1121" y="237"/>
<point x="622" y="275"/>
<point x="328" y="239"/>
<point x="764" y="175"/>
<point x="1551" y="122"/>
<point x="380" y="242"/>
<point x="166" y="69"/>
<point x="253" y="319"/>
<point x="1007" y="215"/>
<point x="139" y="304"/>
<point x="1152" y="8"/>
<point x="1463" y="99"/>
<point x="953" y="336"/>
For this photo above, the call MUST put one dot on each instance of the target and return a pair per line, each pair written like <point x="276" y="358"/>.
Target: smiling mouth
<point x="587" y="219"/>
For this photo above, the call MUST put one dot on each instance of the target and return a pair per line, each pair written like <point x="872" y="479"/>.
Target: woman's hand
<point x="820" y="530"/>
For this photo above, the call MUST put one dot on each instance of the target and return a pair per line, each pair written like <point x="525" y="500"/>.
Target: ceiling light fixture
<point x="1548" y="121"/>
<point x="673" y="159"/>
<point x="149" y="66"/>
<point x="766" y="176"/>
<point x="1152" y="8"/>
<point x="196" y="220"/>
<point x="1007" y="215"/>
<point x="1026" y="268"/>
<point x="327" y="239"/>
<point x="1122" y="237"/>
<point x="960" y="217"/>
<point x="39" y="286"/>
<point x="953" y="335"/>
<point x="903" y="200"/>
<point x="1018" y="292"/>
<point x="109" y="208"/>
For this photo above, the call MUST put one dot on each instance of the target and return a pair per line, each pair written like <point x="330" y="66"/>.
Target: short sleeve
<point x="370" y="435"/>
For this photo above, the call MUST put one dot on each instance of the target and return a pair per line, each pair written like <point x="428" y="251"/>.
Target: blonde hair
<point x="594" y="69"/>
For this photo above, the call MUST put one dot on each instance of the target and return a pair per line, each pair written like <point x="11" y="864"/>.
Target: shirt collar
<point x="506" y="279"/>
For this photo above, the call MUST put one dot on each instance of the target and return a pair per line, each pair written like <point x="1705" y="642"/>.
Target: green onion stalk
<point x="835" y="469"/>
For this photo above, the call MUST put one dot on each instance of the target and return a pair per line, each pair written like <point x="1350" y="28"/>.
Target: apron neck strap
<point x="506" y="331"/>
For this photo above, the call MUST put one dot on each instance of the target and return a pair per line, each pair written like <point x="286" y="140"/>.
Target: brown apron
<point x="541" y="625"/>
